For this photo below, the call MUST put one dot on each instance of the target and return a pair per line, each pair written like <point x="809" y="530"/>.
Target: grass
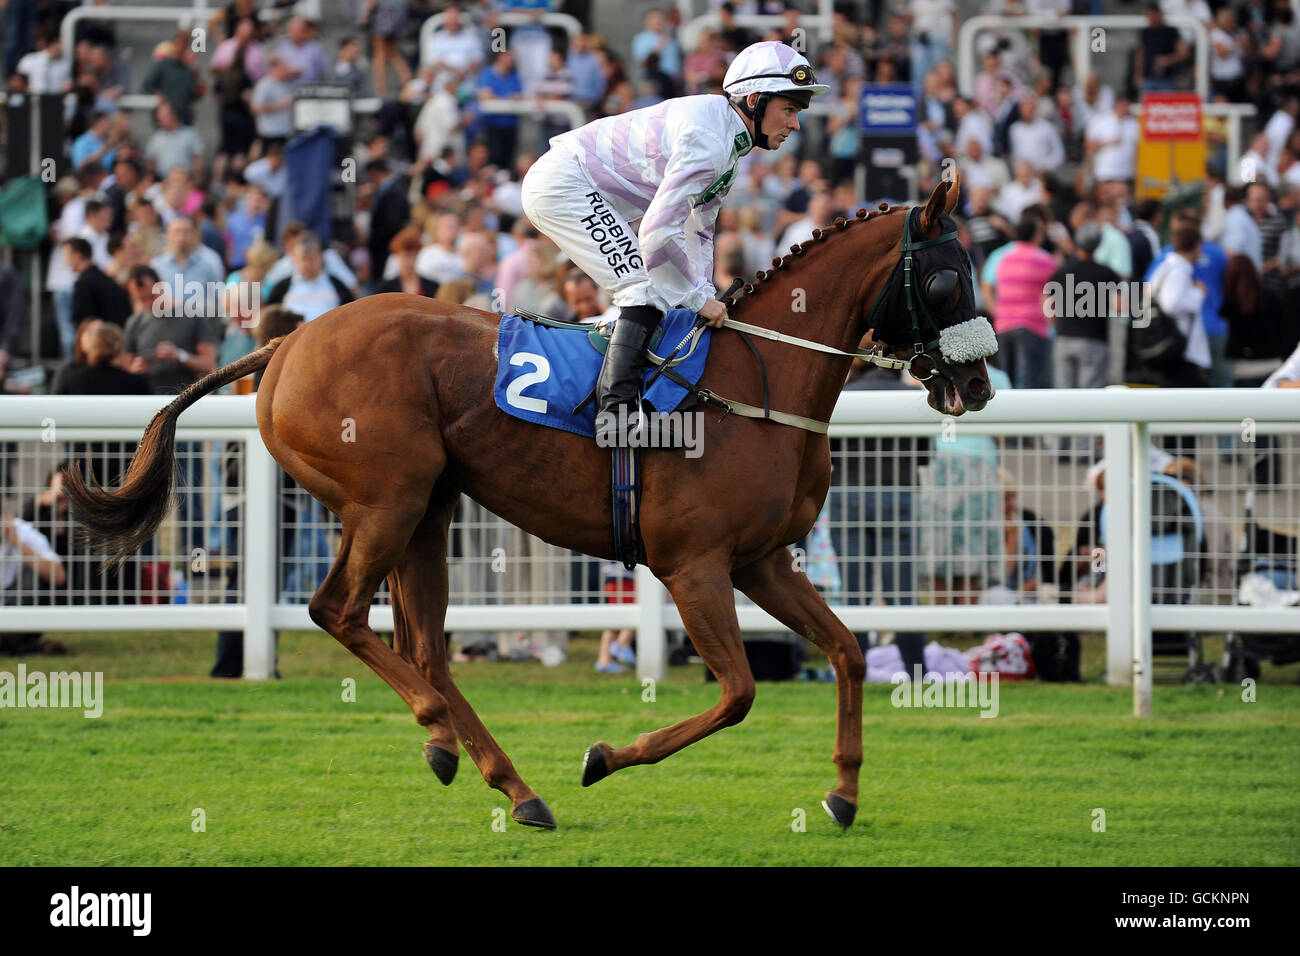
<point x="288" y="773"/>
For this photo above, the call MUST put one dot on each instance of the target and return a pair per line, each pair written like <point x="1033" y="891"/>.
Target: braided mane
<point x="819" y="235"/>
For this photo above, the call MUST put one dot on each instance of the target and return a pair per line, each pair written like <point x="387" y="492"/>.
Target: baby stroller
<point x="1177" y="549"/>
<point x="1268" y="579"/>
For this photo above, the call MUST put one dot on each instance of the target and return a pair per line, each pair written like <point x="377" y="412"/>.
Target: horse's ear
<point x="943" y="199"/>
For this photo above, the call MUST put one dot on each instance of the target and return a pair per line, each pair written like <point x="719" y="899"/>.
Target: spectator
<point x="93" y="368"/>
<point x="933" y="29"/>
<point x="310" y="290"/>
<point x="980" y="168"/>
<point x="735" y="37"/>
<point x="537" y="291"/>
<point x="349" y="72"/>
<point x="1241" y="232"/>
<point x="440" y="260"/>
<point x="818" y="216"/>
<point x="439" y="125"/>
<point x="172" y="348"/>
<point x="1025" y="190"/>
<point x="404" y="248"/>
<point x="1180" y="295"/>
<point x="588" y="78"/>
<point x="657" y="37"/>
<point x="454" y="51"/>
<point x="497" y="82"/>
<point x="478" y="262"/>
<point x="188" y="268"/>
<point x="1079" y="353"/>
<point x="1271" y="223"/>
<point x="1035" y="140"/>
<point x="237" y="69"/>
<point x="1228" y="49"/>
<point x="272" y="101"/>
<point x="127" y="173"/>
<point x="1025" y="350"/>
<point x="333" y="262"/>
<point x="27" y="562"/>
<point x="246" y="224"/>
<point x="1160" y="52"/>
<point x="387" y="22"/>
<point x="93" y="145"/>
<point x="302" y="53"/>
<point x="173" y="145"/>
<point x="556" y="84"/>
<point x="269" y="173"/>
<point x="1111" y="141"/>
<point x="173" y="81"/>
<point x="1144" y="240"/>
<point x="45" y="69"/>
<point x="99" y="218"/>
<point x="94" y="294"/>
<point x="617" y="645"/>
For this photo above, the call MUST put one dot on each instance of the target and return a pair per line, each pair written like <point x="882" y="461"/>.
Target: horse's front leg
<point x="702" y="593"/>
<point x="774" y="585"/>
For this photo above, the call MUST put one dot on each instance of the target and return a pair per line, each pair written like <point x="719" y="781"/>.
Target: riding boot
<point x="621" y="374"/>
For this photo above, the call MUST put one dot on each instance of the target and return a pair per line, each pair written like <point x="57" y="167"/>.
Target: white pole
<point x="1118" y="531"/>
<point x="651" y="640"/>
<point x="261" y="542"/>
<point x="1141" y="570"/>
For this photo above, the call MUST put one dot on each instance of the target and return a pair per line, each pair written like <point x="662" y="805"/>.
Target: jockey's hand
<point x="713" y="312"/>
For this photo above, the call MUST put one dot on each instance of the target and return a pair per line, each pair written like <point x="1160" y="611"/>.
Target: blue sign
<point x="887" y="109"/>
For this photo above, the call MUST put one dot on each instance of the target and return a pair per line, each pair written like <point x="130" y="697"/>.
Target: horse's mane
<point x="818" y="235"/>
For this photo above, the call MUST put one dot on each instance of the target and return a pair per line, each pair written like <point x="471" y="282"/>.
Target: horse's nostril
<point x="978" y="388"/>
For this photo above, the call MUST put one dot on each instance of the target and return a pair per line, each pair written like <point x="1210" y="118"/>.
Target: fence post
<point x="1118" y="531"/>
<point x="651" y="641"/>
<point x="1141" y="569"/>
<point x="261" y="541"/>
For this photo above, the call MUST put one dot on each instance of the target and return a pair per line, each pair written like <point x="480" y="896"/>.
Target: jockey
<point x="669" y="166"/>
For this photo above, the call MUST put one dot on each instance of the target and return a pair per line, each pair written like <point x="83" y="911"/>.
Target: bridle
<point x="917" y="310"/>
<point x="925" y="338"/>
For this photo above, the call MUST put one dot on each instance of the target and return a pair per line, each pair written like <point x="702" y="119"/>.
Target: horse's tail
<point x="118" y="522"/>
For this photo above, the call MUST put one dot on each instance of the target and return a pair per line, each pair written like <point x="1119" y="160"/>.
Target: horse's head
<point x="927" y="308"/>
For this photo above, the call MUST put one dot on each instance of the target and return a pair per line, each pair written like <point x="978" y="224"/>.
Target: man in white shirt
<point x="1021" y="193"/>
<point x="817" y="217"/>
<point x="455" y="51"/>
<point x="310" y="291"/>
<point x="1111" y="139"/>
<point x="1288" y="376"/>
<point x="46" y="70"/>
<point x="99" y="217"/>
<point x="1180" y="295"/>
<point x="1035" y="139"/>
<point x="1279" y="128"/>
<point x="269" y="173"/>
<point x="1241" y="233"/>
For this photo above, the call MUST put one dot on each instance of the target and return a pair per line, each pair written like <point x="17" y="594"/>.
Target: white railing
<point x="1126" y="418"/>
<point x="688" y="34"/>
<point x="570" y="24"/>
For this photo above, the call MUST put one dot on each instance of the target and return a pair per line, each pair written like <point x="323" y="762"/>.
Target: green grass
<point x="288" y="773"/>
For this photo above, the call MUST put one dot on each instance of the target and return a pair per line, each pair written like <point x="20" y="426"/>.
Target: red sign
<point x="1171" y="116"/>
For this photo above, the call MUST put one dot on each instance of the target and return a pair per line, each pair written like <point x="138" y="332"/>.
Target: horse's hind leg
<point x="774" y="585"/>
<point x="420" y="593"/>
<point x="373" y="540"/>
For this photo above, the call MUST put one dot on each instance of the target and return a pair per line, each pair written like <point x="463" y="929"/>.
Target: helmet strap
<point x="755" y="115"/>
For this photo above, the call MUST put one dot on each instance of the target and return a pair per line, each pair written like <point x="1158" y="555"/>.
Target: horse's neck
<point x="820" y="296"/>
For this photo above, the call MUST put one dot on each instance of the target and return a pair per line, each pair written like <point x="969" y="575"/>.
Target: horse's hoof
<point x="594" y="765"/>
<point x="534" y="813"/>
<point x="443" y="762"/>
<point x="840" y="810"/>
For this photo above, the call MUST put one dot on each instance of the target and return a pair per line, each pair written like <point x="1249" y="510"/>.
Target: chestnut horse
<point x="416" y="377"/>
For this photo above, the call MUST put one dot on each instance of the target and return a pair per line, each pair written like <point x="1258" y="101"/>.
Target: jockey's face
<point x="780" y="119"/>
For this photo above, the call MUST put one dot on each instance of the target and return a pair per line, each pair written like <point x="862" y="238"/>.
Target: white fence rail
<point x="1124" y="420"/>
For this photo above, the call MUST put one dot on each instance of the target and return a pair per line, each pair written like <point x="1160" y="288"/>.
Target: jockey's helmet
<point x="772" y="67"/>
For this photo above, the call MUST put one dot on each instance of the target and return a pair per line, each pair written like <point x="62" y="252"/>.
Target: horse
<point x="415" y="378"/>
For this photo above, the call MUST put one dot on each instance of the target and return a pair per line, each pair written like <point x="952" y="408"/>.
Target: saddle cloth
<point x="543" y="372"/>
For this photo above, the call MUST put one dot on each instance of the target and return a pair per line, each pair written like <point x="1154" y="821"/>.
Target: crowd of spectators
<point x="1047" y="159"/>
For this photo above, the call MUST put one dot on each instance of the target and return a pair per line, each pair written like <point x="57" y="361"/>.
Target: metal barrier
<point x="916" y="516"/>
<point x="1080" y="25"/>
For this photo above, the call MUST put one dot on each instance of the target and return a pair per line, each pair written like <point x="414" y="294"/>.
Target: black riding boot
<point x="621" y="374"/>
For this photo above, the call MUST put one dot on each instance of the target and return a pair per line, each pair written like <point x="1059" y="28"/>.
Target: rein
<point x="874" y="356"/>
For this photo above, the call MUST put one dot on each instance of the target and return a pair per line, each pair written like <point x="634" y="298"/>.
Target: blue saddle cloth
<point x="543" y="372"/>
